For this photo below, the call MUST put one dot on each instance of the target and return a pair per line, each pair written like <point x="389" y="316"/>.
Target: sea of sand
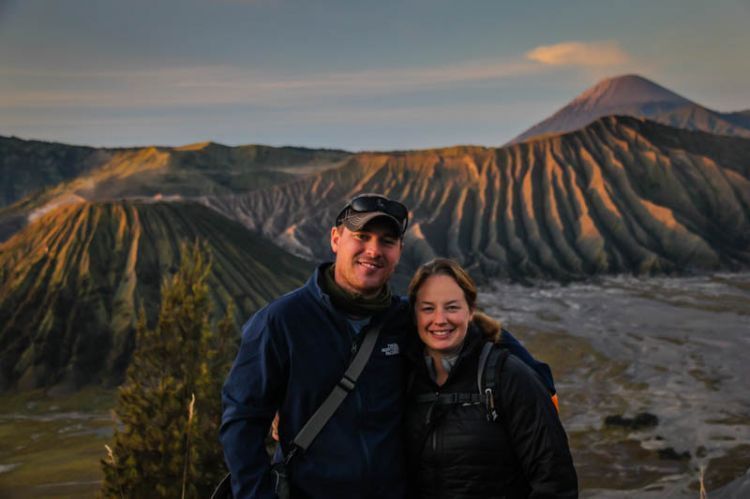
<point x="674" y="348"/>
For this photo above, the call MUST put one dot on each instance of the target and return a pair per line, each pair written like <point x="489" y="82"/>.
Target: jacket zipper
<point x="434" y="441"/>
<point x="360" y="406"/>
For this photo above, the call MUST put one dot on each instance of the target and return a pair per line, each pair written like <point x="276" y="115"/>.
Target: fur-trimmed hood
<point x="493" y="331"/>
<point x="490" y="328"/>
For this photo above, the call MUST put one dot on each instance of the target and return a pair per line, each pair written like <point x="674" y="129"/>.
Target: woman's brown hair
<point x="444" y="266"/>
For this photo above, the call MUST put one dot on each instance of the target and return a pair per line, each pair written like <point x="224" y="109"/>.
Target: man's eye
<point x="426" y="309"/>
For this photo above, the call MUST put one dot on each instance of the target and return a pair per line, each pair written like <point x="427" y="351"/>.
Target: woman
<point x="459" y="444"/>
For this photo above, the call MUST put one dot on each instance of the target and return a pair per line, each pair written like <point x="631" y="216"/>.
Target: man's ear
<point x="335" y="236"/>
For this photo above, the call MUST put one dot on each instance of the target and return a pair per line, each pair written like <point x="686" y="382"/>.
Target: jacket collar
<point x="314" y="288"/>
<point x="319" y="295"/>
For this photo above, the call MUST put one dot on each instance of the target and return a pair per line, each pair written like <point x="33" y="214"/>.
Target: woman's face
<point x="442" y="314"/>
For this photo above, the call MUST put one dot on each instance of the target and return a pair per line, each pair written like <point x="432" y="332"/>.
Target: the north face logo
<point x="391" y="349"/>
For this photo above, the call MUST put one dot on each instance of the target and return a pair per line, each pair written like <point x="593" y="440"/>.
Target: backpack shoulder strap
<point x="491" y="362"/>
<point x="486" y="350"/>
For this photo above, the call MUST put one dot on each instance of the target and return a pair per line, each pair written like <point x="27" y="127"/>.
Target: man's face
<point x="365" y="259"/>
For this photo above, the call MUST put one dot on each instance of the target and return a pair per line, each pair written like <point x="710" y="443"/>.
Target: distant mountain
<point x="71" y="282"/>
<point x="621" y="195"/>
<point x="739" y="118"/>
<point x="633" y="95"/>
<point x="38" y="176"/>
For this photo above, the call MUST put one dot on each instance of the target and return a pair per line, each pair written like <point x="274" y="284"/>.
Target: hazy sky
<point x="349" y="74"/>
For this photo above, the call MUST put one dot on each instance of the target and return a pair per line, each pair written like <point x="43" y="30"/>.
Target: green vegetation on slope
<point x="169" y="407"/>
<point x="70" y="284"/>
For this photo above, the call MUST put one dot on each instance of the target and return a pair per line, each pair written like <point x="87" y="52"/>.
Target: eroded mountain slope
<point x="71" y="283"/>
<point x="621" y="195"/>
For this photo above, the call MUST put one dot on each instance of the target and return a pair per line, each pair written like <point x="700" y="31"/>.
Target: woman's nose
<point x="439" y="316"/>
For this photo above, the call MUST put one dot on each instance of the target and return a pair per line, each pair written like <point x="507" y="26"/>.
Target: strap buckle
<point x="346" y="384"/>
<point x="489" y="402"/>
<point x="292" y="452"/>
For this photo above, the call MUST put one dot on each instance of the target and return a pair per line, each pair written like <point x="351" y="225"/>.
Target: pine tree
<point x="169" y="408"/>
<point x="220" y="351"/>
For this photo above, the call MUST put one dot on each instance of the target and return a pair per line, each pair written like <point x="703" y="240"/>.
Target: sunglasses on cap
<point x="373" y="203"/>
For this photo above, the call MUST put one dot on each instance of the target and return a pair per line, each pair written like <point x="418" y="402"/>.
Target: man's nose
<point x="373" y="247"/>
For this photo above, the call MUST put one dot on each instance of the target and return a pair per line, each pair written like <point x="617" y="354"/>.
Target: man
<point x="295" y="350"/>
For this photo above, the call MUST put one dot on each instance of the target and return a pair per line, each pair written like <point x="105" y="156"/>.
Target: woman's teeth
<point x="441" y="333"/>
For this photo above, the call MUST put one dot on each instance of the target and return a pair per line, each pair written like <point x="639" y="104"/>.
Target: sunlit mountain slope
<point x="621" y="195"/>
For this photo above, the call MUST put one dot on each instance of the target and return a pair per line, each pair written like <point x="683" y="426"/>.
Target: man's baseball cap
<point x="362" y="209"/>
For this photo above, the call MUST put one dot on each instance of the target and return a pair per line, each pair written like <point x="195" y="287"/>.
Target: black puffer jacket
<point x="455" y="452"/>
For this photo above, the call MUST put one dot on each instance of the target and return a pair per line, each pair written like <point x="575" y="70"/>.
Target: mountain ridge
<point x="49" y="175"/>
<point x="30" y="166"/>
<point x="551" y="207"/>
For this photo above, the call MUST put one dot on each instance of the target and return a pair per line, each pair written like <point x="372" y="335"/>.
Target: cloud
<point x="579" y="54"/>
<point x="217" y="85"/>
